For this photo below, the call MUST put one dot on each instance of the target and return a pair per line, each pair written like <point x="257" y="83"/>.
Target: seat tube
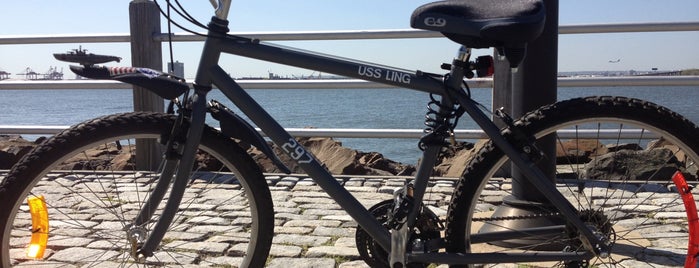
<point x="430" y="154"/>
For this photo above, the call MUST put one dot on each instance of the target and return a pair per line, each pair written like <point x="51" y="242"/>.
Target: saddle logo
<point x="435" y="22"/>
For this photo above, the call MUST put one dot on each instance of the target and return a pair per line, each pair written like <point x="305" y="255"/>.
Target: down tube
<point x="304" y="158"/>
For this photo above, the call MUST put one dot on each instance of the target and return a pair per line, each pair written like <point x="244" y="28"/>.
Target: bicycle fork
<point x="182" y="151"/>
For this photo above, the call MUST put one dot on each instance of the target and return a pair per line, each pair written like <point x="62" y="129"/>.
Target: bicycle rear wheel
<point x="92" y="191"/>
<point x="621" y="184"/>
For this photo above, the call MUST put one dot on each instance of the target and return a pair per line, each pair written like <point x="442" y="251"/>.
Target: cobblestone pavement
<point x="312" y="231"/>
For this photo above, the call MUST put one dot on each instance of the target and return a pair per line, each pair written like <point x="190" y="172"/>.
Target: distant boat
<point x="82" y="57"/>
<point x="614" y="61"/>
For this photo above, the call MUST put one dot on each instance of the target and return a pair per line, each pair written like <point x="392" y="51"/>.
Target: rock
<point x="624" y="146"/>
<point x="454" y="160"/>
<point x="105" y="157"/>
<point x="633" y="165"/>
<point x="336" y="159"/>
<point x="578" y="151"/>
<point x="12" y="148"/>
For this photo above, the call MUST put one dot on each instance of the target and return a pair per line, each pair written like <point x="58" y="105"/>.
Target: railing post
<point x="144" y="19"/>
<point x="533" y="85"/>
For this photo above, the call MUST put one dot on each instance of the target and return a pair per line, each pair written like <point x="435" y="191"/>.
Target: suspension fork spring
<point x="440" y="121"/>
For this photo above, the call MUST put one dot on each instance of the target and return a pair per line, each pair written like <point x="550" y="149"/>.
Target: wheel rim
<point x="643" y="217"/>
<point x="80" y="233"/>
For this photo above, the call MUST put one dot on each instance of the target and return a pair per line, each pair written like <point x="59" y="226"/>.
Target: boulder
<point x="336" y="159"/>
<point x="453" y="160"/>
<point x="624" y="164"/>
<point x="578" y="151"/>
<point x="13" y="147"/>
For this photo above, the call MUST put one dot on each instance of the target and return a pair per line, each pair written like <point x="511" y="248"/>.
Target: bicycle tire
<point x="226" y="214"/>
<point x="640" y="213"/>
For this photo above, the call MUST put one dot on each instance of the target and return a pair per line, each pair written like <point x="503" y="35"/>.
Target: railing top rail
<point x="343" y="35"/>
<point x="357" y="84"/>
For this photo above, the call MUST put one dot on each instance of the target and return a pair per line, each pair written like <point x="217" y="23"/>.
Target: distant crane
<point x="4" y="75"/>
<point x="53" y="74"/>
<point x="29" y="74"/>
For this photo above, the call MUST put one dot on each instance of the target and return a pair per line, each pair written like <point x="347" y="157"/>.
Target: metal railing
<point x="339" y="83"/>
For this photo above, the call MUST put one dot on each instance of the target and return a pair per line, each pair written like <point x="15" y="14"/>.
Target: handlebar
<point x="222" y="7"/>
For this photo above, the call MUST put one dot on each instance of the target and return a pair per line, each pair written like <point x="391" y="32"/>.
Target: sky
<point x="577" y="52"/>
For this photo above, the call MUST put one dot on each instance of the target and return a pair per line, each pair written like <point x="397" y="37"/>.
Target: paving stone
<point x="296" y="216"/>
<point x="375" y="184"/>
<point x="221" y="261"/>
<point x="68" y="241"/>
<point x="312" y="200"/>
<point x="333" y="232"/>
<point x="208" y="247"/>
<point x="346" y="241"/>
<point x="361" y="189"/>
<point x="301" y="263"/>
<point x="293" y="230"/>
<point x="285" y="251"/>
<point x="286" y="184"/>
<point x="322" y="212"/>
<point x="209" y="229"/>
<point x="354" y="264"/>
<point x="388" y="189"/>
<point x="279" y="188"/>
<point x="307" y="188"/>
<point x="178" y="258"/>
<point x="300" y="240"/>
<point x="323" y="251"/>
<point x="355" y="184"/>
<point x="79" y="253"/>
<point x="311" y="223"/>
<point x="343" y="218"/>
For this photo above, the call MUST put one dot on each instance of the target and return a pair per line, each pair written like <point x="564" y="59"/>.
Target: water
<point x="337" y="108"/>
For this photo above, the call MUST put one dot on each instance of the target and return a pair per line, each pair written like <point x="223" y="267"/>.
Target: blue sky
<point x="638" y="51"/>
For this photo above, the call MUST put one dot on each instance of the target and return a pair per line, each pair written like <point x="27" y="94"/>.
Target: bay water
<point x="297" y="108"/>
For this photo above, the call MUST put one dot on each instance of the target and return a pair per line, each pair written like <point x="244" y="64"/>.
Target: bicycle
<point x="592" y="212"/>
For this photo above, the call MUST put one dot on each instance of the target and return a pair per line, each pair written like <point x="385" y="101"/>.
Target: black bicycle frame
<point x="209" y="73"/>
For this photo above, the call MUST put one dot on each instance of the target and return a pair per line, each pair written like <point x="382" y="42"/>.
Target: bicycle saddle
<point x="164" y="85"/>
<point x="507" y="24"/>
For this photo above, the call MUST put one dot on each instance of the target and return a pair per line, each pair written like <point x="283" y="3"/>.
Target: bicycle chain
<point x="520" y="217"/>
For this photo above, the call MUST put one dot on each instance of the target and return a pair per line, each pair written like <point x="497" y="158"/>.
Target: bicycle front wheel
<point x="76" y="196"/>
<point x="616" y="161"/>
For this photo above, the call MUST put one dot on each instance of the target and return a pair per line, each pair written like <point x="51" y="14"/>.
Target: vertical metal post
<point x="144" y="19"/>
<point x="531" y="86"/>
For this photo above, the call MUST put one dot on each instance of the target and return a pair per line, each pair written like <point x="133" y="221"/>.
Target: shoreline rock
<point x="338" y="159"/>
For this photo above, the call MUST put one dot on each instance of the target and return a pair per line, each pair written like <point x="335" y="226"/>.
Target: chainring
<point x="428" y="227"/>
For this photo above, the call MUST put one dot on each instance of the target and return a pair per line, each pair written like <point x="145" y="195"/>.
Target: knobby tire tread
<point x="15" y="183"/>
<point x="532" y="122"/>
